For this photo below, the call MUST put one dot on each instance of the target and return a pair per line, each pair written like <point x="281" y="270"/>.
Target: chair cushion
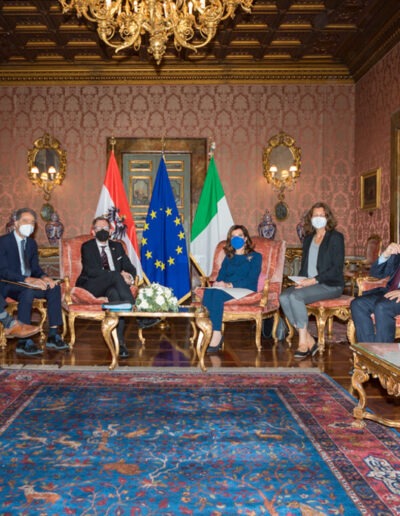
<point x="343" y="300"/>
<point x="76" y="307"/>
<point x="84" y="297"/>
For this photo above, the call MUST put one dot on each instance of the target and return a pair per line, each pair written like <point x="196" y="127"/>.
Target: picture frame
<point x="140" y="191"/>
<point x="371" y="189"/>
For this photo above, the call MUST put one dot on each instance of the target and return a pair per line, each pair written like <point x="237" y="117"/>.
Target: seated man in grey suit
<point x="107" y="271"/>
<point x="19" y="262"/>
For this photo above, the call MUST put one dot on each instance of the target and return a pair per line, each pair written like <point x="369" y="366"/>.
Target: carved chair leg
<point x="43" y="317"/>
<point x="3" y="340"/>
<point x="71" y="327"/>
<point x="65" y="328"/>
<point x="193" y="338"/>
<point x="275" y="327"/>
<point x="330" y="328"/>
<point x="258" y="332"/>
<point x="290" y="334"/>
<point x="321" y="322"/>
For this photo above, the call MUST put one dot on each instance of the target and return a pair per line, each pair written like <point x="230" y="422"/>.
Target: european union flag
<point x="163" y="252"/>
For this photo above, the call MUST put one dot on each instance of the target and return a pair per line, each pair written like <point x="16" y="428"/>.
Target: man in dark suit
<point x="13" y="328"/>
<point x="19" y="262"/>
<point x="107" y="271"/>
<point x="384" y="303"/>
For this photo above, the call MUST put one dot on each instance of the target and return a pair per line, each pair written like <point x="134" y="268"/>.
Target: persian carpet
<point x="159" y="443"/>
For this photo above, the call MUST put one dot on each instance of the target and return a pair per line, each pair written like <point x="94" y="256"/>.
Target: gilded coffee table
<point x="198" y="316"/>
<point x="380" y="361"/>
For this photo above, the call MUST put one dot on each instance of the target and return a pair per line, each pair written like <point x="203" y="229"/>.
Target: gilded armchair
<point x="261" y="304"/>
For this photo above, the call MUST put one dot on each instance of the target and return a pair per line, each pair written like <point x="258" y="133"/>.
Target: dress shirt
<point x="107" y="250"/>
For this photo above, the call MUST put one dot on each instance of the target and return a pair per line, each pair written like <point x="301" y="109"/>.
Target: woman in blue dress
<point x="240" y="268"/>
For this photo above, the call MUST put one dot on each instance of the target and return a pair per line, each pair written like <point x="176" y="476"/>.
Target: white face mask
<point x="26" y="229"/>
<point x="318" y="222"/>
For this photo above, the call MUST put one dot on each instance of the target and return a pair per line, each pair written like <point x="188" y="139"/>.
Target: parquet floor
<point x="170" y="347"/>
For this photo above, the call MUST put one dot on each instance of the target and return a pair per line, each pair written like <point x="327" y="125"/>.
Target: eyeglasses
<point x="98" y="228"/>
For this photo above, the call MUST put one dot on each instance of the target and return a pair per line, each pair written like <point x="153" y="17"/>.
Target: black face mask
<point x="102" y="235"/>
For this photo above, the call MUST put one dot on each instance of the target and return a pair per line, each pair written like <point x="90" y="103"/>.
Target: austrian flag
<point x="114" y="205"/>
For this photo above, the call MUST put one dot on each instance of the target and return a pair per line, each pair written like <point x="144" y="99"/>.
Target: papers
<point x="237" y="293"/>
<point x="117" y="306"/>
<point x="297" y="279"/>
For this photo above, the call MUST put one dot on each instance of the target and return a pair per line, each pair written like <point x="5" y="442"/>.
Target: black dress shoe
<point x="301" y="355"/>
<point x="148" y="322"/>
<point x="211" y="350"/>
<point x="123" y="352"/>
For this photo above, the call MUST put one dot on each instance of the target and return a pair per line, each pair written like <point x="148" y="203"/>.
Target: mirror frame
<point x="282" y="139"/>
<point x="47" y="142"/>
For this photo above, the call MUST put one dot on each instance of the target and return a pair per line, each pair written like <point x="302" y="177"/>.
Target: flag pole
<point x="113" y="142"/>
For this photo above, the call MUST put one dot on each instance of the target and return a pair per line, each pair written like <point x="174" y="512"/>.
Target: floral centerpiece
<point x="156" y="298"/>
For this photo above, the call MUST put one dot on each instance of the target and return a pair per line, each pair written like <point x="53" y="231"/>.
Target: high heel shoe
<point x="301" y="355"/>
<point x="314" y="350"/>
<point x="215" y="349"/>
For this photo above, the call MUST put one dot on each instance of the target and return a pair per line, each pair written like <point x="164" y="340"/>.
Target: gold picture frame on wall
<point x="371" y="189"/>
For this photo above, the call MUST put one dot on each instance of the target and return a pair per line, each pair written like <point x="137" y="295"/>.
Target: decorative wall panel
<point x="239" y="118"/>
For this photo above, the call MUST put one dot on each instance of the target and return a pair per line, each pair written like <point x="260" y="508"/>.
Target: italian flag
<point x="114" y="205"/>
<point x="211" y="222"/>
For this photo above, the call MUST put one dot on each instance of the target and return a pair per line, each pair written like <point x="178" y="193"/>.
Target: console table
<point x="197" y="314"/>
<point x="380" y="361"/>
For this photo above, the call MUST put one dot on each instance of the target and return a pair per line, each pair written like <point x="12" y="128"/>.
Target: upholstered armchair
<point x="76" y="301"/>
<point x="261" y="304"/>
<point x="357" y="268"/>
<point x="364" y="284"/>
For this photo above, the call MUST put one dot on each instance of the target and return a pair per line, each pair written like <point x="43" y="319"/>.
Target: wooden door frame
<point x="395" y="178"/>
<point x="196" y="146"/>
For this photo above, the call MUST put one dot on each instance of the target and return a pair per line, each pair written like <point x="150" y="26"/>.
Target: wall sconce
<point x="282" y="168"/>
<point x="47" y="164"/>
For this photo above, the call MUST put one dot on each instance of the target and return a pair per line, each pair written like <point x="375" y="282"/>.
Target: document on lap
<point x="297" y="279"/>
<point x="237" y="293"/>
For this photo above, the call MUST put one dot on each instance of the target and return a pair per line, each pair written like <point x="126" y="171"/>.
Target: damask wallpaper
<point x="377" y="99"/>
<point x="239" y="118"/>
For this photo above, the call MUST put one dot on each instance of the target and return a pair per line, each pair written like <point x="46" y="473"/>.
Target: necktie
<point x="394" y="284"/>
<point x="104" y="259"/>
<point x="25" y="265"/>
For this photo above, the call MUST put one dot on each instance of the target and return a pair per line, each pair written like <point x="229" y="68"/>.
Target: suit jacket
<point x="330" y="262"/>
<point x="383" y="270"/>
<point x="91" y="261"/>
<point x="10" y="263"/>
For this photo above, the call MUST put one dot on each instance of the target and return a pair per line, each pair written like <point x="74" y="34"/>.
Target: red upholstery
<point x="76" y="301"/>
<point x="264" y="302"/>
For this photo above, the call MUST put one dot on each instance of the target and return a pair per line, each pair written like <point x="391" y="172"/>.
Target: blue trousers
<point x="3" y="303"/>
<point x="214" y="300"/>
<point x="384" y="311"/>
<point x="25" y="297"/>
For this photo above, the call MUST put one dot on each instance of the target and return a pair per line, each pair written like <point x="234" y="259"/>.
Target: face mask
<point x="26" y="229"/>
<point x="237" y="242"/>
<point x="103" y="235"/>
<point x="318" y="222"/>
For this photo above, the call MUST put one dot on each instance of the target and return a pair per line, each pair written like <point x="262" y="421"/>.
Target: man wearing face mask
<point x="321" y="271"/>
<point x="107" y="271"/>
<point x="19" y="262"/>
<point x="240" y="268"/>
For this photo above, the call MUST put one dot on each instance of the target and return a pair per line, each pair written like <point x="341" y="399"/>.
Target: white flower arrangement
<point x="156" y="298"/>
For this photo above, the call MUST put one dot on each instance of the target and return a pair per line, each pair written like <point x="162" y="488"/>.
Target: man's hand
<point x="50" y="283"/>
<point x="36" y="282"/>
<point x="129" y="279"/>
<point x="393" y="295"/>
<point x="307" y="282"/>
<point x="392" y="248"/>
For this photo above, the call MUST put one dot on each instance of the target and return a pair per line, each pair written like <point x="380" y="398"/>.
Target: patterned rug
<point x="126" y="443"/>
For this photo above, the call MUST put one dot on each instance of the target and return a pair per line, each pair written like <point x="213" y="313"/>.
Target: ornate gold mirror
<point x="282" y="168"/>
<point x="47" y="164"/>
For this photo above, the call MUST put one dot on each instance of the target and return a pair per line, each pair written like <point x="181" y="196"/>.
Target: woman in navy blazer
<point x="321" y="271"/>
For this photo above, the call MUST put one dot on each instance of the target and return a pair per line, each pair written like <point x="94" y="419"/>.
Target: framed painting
<point x="141" y="191"/>
<point x="371" y="190"/>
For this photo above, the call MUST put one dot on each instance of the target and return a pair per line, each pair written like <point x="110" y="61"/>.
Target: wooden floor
<point x="170" y="347"/>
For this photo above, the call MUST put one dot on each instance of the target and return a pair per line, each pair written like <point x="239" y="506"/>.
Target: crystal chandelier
<point x="122" y="23"/>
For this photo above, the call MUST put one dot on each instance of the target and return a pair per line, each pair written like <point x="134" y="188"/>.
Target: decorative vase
<point x="10" y="226"/>
<point x="54" y="229"/>
<point x="300" y="228"/>
<point x="267" y="227"/>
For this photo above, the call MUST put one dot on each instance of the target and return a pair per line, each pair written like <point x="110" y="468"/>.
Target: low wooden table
<point x="380" y="361"/>
<point x="197" y="315"/>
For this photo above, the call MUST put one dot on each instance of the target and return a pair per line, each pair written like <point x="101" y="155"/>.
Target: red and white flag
<point x="114" y="205"/>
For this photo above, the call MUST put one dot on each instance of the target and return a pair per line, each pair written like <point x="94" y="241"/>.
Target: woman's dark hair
<point x="331" y="222"/>
<point x="248" y="246"/>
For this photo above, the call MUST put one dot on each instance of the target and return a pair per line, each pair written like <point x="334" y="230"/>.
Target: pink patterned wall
<point x="377" y="99"/>
<point x="240" y="118"/>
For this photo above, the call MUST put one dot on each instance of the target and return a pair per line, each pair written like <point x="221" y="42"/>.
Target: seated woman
<point x="240" y="268"/>
<point x="322" y="267"/>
